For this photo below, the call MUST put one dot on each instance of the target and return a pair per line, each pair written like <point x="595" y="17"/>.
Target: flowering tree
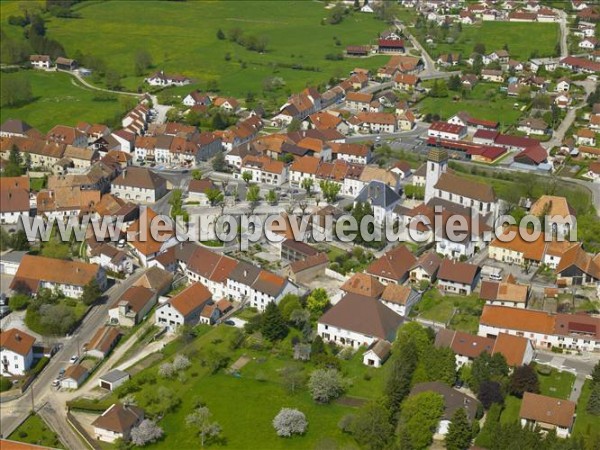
<point x="290" y="421"/>
<point x="146" y="432"/>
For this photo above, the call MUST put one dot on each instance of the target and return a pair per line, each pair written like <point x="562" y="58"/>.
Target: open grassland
<point x="522" y="39"/>
<point x="58" y="99"/>
<point x="485" y="101"/>
<point x="181" y="38"/>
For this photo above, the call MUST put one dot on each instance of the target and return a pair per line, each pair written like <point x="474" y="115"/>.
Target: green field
<point x="181" y="38"/>
<point x="35" y="431"/>
<point x="485" y="101"/>
<point x="522" y="39"/>
<point x="257" y="385"/>
<point x="58" y="99"/>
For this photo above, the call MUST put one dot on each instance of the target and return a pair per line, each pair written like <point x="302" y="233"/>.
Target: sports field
<point x="181" y="37"/>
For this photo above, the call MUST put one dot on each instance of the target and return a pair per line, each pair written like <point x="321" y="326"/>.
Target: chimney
<point x="245" y="273"/>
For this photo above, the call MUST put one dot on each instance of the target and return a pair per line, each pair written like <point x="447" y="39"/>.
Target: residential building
<point x="132" y="307"/>
<point x="68" y="277"/>
<point x="511" y="247"/>
<point x="357" y="321"/>
<point x="517" y="350"/>
<point x="117" y="422"/>
<point x="453" y="400"/>
<point x="400" y="299"/>
<point x="548" y="413"/>
<point x="457" y="277"/>
<point x="504" y="293"/>
<point x="16" y="352"/>
<point x="74" y="376"/>
<point x="579" y="332"/>
<point x="40" y="61"/>
<point x="139" y="184"/>
<point x="184" y="308"/>
<point x="381" y="198"/>
<point x="445" y="130"/>
<point x="392" y="267"/>
<point x="160" y="78"/>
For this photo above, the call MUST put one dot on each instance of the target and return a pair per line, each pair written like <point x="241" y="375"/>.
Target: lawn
<point x="181" y="37"/>
<point x="585" y="422"/>
<point x="510" y="413"/>
<point x="558" y="384"/>
<point x="484" y="102"/>
<point x="59" y="100"/>
<point x="522" y="39"/>
<point x="257" y="386"/>
<point x="439" y="308"/>
<point x="35" y="431"/>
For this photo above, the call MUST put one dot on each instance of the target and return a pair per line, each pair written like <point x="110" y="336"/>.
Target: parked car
<point x="4" y="311"/>
<point x="229" y="322"/>
<point x="74" y="359"/>
<point x="56" y="383"/>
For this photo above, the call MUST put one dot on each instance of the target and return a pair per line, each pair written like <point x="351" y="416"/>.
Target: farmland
<point x="181" y="38"/>
<point x="58" y="99"/>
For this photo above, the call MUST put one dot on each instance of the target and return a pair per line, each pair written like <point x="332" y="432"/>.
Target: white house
<point x="184" y="308"/>
<point x="14" y="205"/>
<point x="16" y="352"/>
<point x="449" y="131"/>
<point x="357" y="321"/>
<point x="160" y="78"/>
<point x="68" y="277"/>
<point x="589" y="43"/>
<point x="40" y="61"/>
<point x="137" y="183"/>
<point x="264" y="170"/>
<point x="74" y="376"/>
<point x="457" y="277"/>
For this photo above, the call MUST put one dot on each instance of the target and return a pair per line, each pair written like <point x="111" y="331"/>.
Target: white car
<point x="56" y="383"/>
<point x="74" y="359"/>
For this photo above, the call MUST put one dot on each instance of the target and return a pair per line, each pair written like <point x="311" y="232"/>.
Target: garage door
<point x="105" y="385"/>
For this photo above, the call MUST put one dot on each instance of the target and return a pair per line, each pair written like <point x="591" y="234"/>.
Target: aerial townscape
<point x="346" y="224"/>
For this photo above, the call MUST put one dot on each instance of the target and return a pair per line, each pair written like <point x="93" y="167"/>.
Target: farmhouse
<point x="390" y="46"/>
<point x="40" y="61"/>
<point x="160" y="78"/>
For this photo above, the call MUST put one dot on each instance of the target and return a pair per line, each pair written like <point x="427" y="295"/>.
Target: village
<point x="428" y="340"/>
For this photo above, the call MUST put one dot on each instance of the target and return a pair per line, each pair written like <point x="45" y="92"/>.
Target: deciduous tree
<point x="325" y="385"/>
<point x="290" y="421"/>
<point x="202" y="422"/>
<point x="524" y="379"/>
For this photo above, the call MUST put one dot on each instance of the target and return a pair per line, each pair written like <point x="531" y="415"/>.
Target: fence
<point x="82" y="432"/>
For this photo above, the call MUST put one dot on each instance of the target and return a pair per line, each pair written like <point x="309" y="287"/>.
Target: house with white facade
<point x="381" y="198"/>
<point x="548" y="413"/>
<point x="16" y="352"/>
<point x="183" y="309"/>
<point x="68" y="277"/>
<point x="117" y="422"/>
<point x="357" y="321"/>
<point x="457" y="277"/>
<point x="448" y="131"/>
<point x="139" y="184"/>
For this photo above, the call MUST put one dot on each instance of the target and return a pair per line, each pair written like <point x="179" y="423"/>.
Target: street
<point x="14" y="412"/>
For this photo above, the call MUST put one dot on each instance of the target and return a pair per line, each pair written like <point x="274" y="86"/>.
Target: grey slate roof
<point x="379" y="194"/>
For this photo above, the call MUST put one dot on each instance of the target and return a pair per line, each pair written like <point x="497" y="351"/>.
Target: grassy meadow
<point x="181" y="38"/>
<point x="485" y="101"/>
<point x="59" y="99"/>
<point x="522" y="39"/>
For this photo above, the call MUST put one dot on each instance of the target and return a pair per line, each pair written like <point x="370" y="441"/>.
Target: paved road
<point x="559" y="135"/>
<point x="14" y="412"/>
<point x="564" y="32"/>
